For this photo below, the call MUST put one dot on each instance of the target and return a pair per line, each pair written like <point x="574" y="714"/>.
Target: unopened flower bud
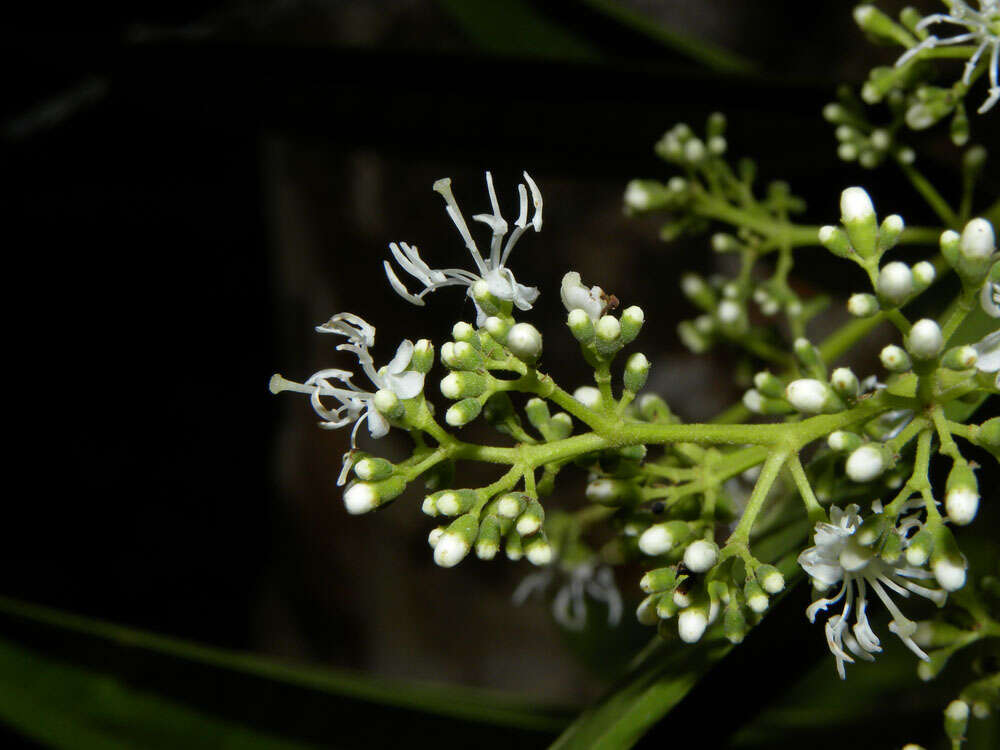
<point x="538" y="550"/>
<point x="462" y="331"/>
<point x="977" y="241"/>
<point x="693" y="338"/>
<point x="631" y="323"/>
<point x="811" y="396"/>
<point x="662" y="537"/>
<point x="895" y="282"/>
<point x="489" y="303"/>
<point x="588" y="395"/>
<point x="463" y="412"/>
<point x="947" y="562"/>
<point x="701" y="555"/>
<point x="373" y="469"/>
<point x="497" y="327"/>
<point x="388" y="403"/>
<point x="561" y="426"/>
<point x="580" y="325"/>
<point x="612" y="492"/>
<point x="455" y="502"/>
<point x="525" y="342"/>
<point x="653" y="408"/>
<point x="925" y="340"/>
<point x="845" y="383"/>
<point x="513" y="546"/>
<point x="895" y="359"/>
<point x="769" y="385"/>
<point x="889" y="232"/>
<point x="531" y="520"/>
<point x="862" y="305"/>
<point x="608" y="331"/>
<point x="919" y="549"/>
<point x="456" y="541"/>
<point x="924" y="274"/>
<point x="865" y="463"/>
<point x="423" y="356"/>
<point x="463" y="384"/>
<point x="461" y="355"/>
<point x="636" y="372"/>
<point x="361" y="497"/>
<point x="843" y="441"/>
<point x="691" y="624"/>
<point x="809" y="356"/>
<point x="771" y="579"/>
<point x="961" y="498"/>
<point x="734" y="623"/>
<point x="698" y="291"/>
<point x="646" y="611"/>
<point x="956" y="720"/>
<point x="858" y="217"/>
<point x="660" y="579"/>
<point x="835" y="240"/>
<point x="488" y="540"/>
<point x="756" y="599"/>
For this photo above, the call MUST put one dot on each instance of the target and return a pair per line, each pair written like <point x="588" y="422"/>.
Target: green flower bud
<point x="889" y="232"/>
<point x="835" y="240"/>
<point x="988" y="434"/>
<point x="961" y="494"/>
<point x="724" y="243"/>
<point x="463" y="384"/>
<point x="956" y="720"/>
<point x="770" y="579"/>
<point x="362" y="497"/>
<point x="769" y="385"/>
<point x="461" y="355"/>
<point x="949" y="242"/>
<point x="646" y="195"/>
<point x="959" y="130"/>
<point x="612" y="492"/>
<point x="487" y="301"/>
<point x="895" y="359"/>
<point x="513" y="546"/>
<point x="589" y="396"/>
<point x="925" y="340"/>
<point x="759" y="404"/>
<point x="463" y="412"/>
<point x="845" y="383"/>
<point x="512" y="504"/>
<point x="919" y="549"/>
<point x="867" y="462"/>
<point x="698" y="291"/>
<point x="455" y="502"/>
<point x="755" y="597"/>
<point x="662" y="537"/>
<point x="871" y="530"/>
<point x="811" y="396"/>
<point x="631" y="323"/>
<point x="734" y="623"/>
<point x="498" y="328"/>
<point x="666" y="607"/>
<point x="561" y="426"/>
<point x="531" y="520"/>
<point x="423" y="356"/>
<point x="810" y="357"/>
<point x="537" y="412"/>
<point x="863" y="305"/>
<point x="858" y="217"/>
<point x="538" y="550"/>
<point x="608" y="331"/>
<point x="947" y="562"/>
<point x="646" y="611"/>
<point x="844" y="441"/>
<point x="388" y="403"/>
<point x="653" y="408"/>
<point x="694" y="339"/>
<point x="488" y="540"/>
<point x="975" y="250"/>
<point x="636" y="372"/>
<point x="525" y="342"/>
<point x="373" y="469"/>
<point x="456" y="541"/>
<point x="462" y="331"/>
<point x="716" y="125"/>
<point x="924" y="274"/>
<point x="892" y="548"/>
<point x="580" y="325"/>
<point x="659" y="580"/>
<point x="873" y="21"/>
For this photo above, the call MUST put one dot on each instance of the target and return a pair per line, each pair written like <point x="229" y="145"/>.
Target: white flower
<point x="569" y="605"/>
<point x="492" y="270"/>
<point x="981" y="28"/>
<point x="838" y="558"/>
<point x="354" y="405"/>
<point x="988" y="351"/>
<point x="576" y="296"/>
<point x="989" y="298"/>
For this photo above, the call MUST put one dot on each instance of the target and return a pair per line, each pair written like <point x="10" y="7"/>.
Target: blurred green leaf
<point x="424" y="707"/>
<point x="66" y="706"/>
<point x="523" y="28"/>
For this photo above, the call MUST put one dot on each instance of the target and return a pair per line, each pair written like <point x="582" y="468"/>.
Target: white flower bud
<point x="717" y="145"/>
<point x="894" y="358"/>
<point x="950" y="574"/>
<point x="524" y="342"/>
<point x="753" y="401"/>
<point x="637" y="195"/>
<point x="895" y="282"/>
<point x="538" y="551"/>
<point x="360" y="497"/>
<point x="608" y="328"/>
<point x="845" y="382"/>
<point x="450" y="550"/>
<point x="962" y="505"/>
<point x="925" y="340"/>
<point x="729" y="312"/>
<point x="694" y="150"/>
<point x="865" y="463"/>
<point x="862" y="305"/>
<point x="435" y="536"/>
<point x="771" y="579"/>
<point x="677" y="184"/>
<point x="924" y="274"/>
<point x="977" y="241"/>
<point x="656" y="540"/>
<point x="701" y="555"/>
<point x="588" y="395"/>
<point x="691" y="624"/>
<point x="856" y="205"/>
<point x="807" y="395"/>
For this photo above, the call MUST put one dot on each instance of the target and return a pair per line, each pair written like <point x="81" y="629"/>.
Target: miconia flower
<point x="978" y="27"/>
<point x="839" y="558"/>
<point x="491" y="270"/>
<point x="393" y="382"/>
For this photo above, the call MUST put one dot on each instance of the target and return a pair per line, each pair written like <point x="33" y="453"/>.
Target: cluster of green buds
<point x="858" y="140"/>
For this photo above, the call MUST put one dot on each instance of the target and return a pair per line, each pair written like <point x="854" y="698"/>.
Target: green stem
<point x="929" y="194"/>
<point x="813" y="508"/>
<point x="740" y="538"/>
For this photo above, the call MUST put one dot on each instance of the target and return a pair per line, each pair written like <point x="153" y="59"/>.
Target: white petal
<point x="407" y="385"/>
<point x="989" y="353"/>
<point x="378" y="425"/>
<point x="404" y="353"/>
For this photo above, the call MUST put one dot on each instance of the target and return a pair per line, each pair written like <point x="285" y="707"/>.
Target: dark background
<point x="192" y="187"/>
